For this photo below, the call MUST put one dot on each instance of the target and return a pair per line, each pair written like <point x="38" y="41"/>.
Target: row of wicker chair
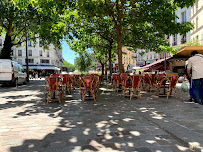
<point x="56" y="84"/>
<point x="151" y="82"/>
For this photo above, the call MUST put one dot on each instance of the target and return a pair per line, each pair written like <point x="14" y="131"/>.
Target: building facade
<point x="38" y="57"/>
<point x="197" y="20"/>
<point x="192" y="14"/>
<point x="128" y="59"/>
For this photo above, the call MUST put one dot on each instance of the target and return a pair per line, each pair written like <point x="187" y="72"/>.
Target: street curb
<point x="187" y="137"/>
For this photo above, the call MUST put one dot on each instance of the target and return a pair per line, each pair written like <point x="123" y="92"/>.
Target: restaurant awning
<point x="187" y="50"/>
<point x="40" y="67"/>
<point x="135" y="68"/>
<point x="152" y="64"/>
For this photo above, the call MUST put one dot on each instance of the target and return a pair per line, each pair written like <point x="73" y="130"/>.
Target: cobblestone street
<point x="112" y="123"/>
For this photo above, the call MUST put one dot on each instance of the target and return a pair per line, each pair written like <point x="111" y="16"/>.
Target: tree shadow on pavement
<point x="110" y="124"/>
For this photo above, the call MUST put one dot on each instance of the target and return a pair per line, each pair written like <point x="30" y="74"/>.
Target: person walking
<point x="195" y="63"/>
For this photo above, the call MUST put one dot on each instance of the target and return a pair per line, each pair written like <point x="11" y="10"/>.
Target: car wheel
<point x="15" y="83"/>
<point x="25" y="82"/>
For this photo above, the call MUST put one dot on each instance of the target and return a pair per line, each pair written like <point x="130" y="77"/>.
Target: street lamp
<point x="26" y="49"/>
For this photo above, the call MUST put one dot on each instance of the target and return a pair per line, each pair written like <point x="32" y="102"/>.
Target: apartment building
<point x="197" y="20"/>
<point x="128" y="59"/>
<point x="38" y="57"/>
<point x="192" y="14"/>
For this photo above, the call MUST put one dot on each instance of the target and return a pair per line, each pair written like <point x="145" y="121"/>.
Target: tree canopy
<point x="84" y="61"/>
<point x="45" y="20"/>
<point x="138" y="23"/>
<point x="69" y="66"/>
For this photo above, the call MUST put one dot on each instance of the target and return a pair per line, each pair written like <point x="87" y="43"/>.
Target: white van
<point x="11" y="72"/>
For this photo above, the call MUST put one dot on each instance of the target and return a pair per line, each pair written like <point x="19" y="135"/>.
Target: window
<point x="40" y="53"/>
<point x="30" y="60"/>
<point x="29" y="52"/>
<point x="29" y="43"/>
<point x="183" y="17"/>
<point x="197" y="37"/>
<point x="47" y="54"/>
<point x="183" y="39"/>
<point x="175" y="39"/>
<point x="197" y="23"/>
<point x="0" y="42"/>
<point x="19" y="52"/>
<point x="44" y="61"/>
<point x="20" y="61"/>
<point x="40" y="45"/>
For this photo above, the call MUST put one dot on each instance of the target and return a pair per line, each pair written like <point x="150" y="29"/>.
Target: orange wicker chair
<point x="86" y="86"/>
<point x="66" y="83"/>
<point x="135" y="85"/>
<point x="54" y="87"/>
<point x="147" y="82"/>
<point x="114" y="81"/>
<point x="153" y="82"/>
<point x="173" y="81"/>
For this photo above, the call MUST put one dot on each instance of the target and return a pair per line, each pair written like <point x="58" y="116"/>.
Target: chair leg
<point x="138" y="92"/>
<point x="45" y="97"/>
<point x="175" y="92"/>
<point x="169" y="91"/>
<point x="84" y="95"/>
<point x="81" y="94"/>
<point x="61" y="95"/>
<point x="93" y="95"/>
<point x="124" y="89"/>
<point x="158" y="91"/>
<point x="49" y="96"/>
<point x="58" y="95"/>
<point x="131" y="94"/>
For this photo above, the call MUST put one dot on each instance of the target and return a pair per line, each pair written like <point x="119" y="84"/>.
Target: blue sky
<point x="68" y="54"/>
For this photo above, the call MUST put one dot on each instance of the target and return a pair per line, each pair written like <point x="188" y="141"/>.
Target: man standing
<point x="195" y="63"/>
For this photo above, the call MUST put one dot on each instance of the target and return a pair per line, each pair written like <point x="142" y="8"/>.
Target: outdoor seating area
<point x="159" y="83"/>
<point x="57" y="84"/>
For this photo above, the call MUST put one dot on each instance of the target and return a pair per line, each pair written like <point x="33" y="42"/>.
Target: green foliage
<point x="138" y="24"/>
<point x="44" y="21"/>
<point x="70" y="66"/>
<point x="84" y="61"/>
<point x="194" y="42"/>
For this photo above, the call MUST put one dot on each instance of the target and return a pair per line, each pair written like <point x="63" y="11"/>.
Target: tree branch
<point x="19" y="42"/>
<point x="19" y="33"/>
<point x="110" y="12"/>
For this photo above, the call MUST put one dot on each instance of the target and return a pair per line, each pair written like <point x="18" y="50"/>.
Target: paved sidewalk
<point x="113" y="123"/>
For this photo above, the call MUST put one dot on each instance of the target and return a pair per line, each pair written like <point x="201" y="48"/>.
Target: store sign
<point x="150" y="61"/>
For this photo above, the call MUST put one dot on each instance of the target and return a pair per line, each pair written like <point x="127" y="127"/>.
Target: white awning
<point x="39" y="67"/>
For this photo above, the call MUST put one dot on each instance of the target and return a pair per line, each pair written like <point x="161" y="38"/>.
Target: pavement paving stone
<point x="113" y="123"/>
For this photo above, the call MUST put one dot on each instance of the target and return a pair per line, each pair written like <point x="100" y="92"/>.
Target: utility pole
<point x="165" y="61"/>
<point x="26" y="49"/>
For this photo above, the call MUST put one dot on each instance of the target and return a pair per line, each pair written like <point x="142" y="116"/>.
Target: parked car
<point x="11" y="73"/>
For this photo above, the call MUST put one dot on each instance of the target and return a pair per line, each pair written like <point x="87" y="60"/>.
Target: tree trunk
<point x="6" y="51"/>
<point x="102" y="68"/>
<point x="119" y="41"/>
<point x="119" y="37"/>
<point x="110" y="60"/>
<point x="105" y="65"/>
